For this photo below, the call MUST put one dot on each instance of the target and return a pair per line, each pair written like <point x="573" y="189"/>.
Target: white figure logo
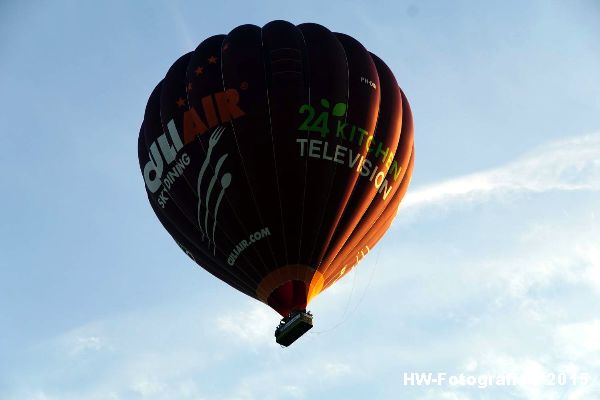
<point x="225" y="182"/>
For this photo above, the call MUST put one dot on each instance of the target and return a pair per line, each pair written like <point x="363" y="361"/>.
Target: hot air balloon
<point x="276" y="158"/>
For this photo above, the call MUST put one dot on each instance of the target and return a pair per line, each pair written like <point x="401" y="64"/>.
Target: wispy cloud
<point x="181" y="25"/>
<point x="254" y="326"/>
<point x="85" y="339"/>
<point x="569" y="164"/>
<point x="579" y="340"/>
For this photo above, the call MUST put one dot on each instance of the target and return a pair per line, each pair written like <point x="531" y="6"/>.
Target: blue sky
<point x="491" y="267"/>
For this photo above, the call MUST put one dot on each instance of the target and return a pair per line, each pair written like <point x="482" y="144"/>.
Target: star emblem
<point x="212" y="60"/>
<point x="199" y="71"/>
<point x="181" y="102"/>
<point x="225" y="45"/>
<point x="189" y="87"/>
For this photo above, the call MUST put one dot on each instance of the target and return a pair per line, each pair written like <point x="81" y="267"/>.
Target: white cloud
<point x="293" y="391"/>
<point x="569" y="164"/>
<point x="82" y="344"/>
<point x="83" y="340"/>
<point x="147" y="387"/>
<point x="188" y="43"/>
<point x="254" y="326"/>
<point x="562" y="254"/>
<point x="337" y="370"/>
<point x="40" y="396"/>
<point x="579" y="340"/>
<point x="443" y="394"/>
<point x="526" y="307"/>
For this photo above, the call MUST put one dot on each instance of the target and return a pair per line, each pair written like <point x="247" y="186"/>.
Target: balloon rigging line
<point x="370" y="280"/>
<point x="345" y="316"/>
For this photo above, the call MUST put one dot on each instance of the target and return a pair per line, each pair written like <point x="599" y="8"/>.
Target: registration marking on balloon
<point x="340" y="154"/>
<point x="359" y="256"/>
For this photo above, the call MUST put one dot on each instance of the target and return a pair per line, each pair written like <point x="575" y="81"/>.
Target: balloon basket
<point x="293" y="326"/>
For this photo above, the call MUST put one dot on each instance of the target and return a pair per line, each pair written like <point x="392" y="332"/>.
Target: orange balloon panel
<point x="351" y="256"/>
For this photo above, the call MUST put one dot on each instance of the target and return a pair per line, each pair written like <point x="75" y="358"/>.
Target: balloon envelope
<point x="277" y="157"/>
